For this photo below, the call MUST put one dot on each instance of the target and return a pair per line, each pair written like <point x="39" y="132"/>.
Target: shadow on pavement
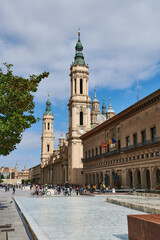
<point x="122" y="236"/>
<point x="3" y="205"/>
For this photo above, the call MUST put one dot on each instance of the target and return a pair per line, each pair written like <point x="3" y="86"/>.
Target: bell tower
<point x="79" y="114"/>
<point x="47" y="139"/>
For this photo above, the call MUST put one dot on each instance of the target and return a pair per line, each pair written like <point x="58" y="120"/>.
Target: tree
<point x="16" y="107"/>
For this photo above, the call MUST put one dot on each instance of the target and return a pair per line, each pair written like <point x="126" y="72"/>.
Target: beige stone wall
<point x="47" y="138"/>
<point x="136" y="164"/>
<point x="79" y="102"/>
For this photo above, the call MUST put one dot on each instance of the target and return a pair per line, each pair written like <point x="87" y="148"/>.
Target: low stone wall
<point x="135" y="206"/>
<point x="146" y="194"/>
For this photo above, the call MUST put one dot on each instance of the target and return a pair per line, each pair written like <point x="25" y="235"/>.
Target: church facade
<point x="65" y="162"/>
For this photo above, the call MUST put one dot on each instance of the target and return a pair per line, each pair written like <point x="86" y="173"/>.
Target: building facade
<point x="12" y="176"/>
<point x="65" y="162"/>
<point x="35" y="173"/>
<point x="134" y="160"/>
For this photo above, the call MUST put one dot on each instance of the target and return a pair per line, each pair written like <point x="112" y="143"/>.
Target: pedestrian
<point x="67" y="186"/>
<point x="14" y="189"/>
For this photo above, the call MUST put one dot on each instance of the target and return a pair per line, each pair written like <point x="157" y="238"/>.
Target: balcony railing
<point x="125" y="149"/>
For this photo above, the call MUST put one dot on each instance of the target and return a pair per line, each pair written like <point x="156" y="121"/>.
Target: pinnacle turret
<point x="110" y="109"/>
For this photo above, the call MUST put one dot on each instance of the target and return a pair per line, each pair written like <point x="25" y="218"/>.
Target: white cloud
<point x="121" y="41"/>
<point x="31" y="140"/>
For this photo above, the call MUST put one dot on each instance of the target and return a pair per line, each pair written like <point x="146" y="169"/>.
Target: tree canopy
<point x="16" y="107"/>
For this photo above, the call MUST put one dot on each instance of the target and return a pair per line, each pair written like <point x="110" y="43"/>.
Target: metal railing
<point x="124" y="149"/>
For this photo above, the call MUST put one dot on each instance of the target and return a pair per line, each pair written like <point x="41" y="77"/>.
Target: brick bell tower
<point x="79" y="114"/>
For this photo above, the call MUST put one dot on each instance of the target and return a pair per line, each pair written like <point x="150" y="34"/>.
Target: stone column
<point x="154" y="177"/>
<point x="124" y="178"/>
<point x="133" y="177"/>
<point x="143" y="178"/>
<point x="65" y="174"/>
<point x="52" y="176"/>
<point x="111" y="179"/>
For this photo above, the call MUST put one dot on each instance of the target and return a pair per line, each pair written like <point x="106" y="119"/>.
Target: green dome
<point x="48" y="102"/>
<point x="79" y="46"/>
<point x="48" y="107"/>
<point x="79" y="58"/>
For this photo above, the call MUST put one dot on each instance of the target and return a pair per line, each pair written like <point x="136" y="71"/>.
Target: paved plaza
<point x="82" y="217"/>
<point x="65" y="218"/>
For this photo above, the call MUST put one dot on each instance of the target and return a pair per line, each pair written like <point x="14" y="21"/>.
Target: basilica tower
<point x="47" y="139"/>
<point x="79" y="114"/>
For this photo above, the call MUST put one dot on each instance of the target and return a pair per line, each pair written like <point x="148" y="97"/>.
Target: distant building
<point x="35" y="173"/>
<point x="11" y="175"/>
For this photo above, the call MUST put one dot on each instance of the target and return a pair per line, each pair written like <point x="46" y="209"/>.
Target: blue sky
<point x="121" y="41"/>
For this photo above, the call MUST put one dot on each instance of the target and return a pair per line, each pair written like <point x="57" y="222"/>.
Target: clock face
<point x="81" y="131"/>
<point x="47" y="140"/>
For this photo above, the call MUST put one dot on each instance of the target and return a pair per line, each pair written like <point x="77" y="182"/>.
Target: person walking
<point x="14" y="189"/>
<point x="67" y="186"/>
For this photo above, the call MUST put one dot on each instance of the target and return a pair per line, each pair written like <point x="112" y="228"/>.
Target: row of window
<point x="142" y="156"/>
<point x="143" y="140"/>
<point x="94" y="153"/>
<point x="81" y="86"/>
<point x="143" y="137"/>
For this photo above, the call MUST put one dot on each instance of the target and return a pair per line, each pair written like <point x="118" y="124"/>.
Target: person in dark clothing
<point x="67" y="186"/>
<point x="14" y="190"/>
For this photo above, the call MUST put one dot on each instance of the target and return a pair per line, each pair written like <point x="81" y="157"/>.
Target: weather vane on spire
<point x="79" y="34"/>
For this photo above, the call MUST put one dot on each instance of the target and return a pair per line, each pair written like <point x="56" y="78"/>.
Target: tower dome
<point x="48" y="107"/>
<point x="79" y="58"/>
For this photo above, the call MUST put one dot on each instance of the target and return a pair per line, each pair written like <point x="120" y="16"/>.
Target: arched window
<point x="48" y="126"/>
<point x="81" y="118"/>
<point x="48" y="148"/>
<point x="75" y="86"/>
<point x="81" y="86"/>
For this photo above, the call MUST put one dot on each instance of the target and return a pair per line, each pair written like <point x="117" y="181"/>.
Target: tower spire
<point x="79" y="35"/>
<point x="79" y="58"/>
<point x="104" y="108"/>
<point x="95" y="93"/>
<point x="110" y="106"/>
